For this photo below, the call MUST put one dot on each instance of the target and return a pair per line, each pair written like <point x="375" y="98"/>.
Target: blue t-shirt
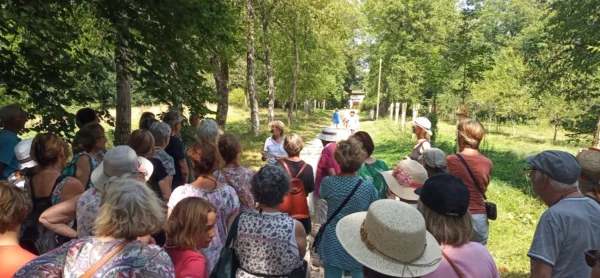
<point x="8" y="142"/>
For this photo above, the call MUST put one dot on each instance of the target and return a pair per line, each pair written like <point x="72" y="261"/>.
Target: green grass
<point x="518" y="208"/>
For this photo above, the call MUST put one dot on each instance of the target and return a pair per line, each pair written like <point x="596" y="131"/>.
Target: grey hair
<point x="9" y="111"/>
<point x="559" y="186"/>
<point x="269" y="185"/>
<point x="161" y="132"/>
<point x="208" y="130"/>
<point x="587" y="187"/>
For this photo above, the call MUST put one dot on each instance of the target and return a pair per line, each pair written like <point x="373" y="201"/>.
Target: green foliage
<point x="236" y="97"/>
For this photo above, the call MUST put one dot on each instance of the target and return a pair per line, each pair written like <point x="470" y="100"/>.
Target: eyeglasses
<point x="591" y="257"/>
<point x="527" y="171"/>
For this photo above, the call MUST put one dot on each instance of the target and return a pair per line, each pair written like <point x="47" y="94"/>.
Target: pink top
<point x="327" y="161"/>
<point x="187" y="263"/>
<point x="471" y="259"/>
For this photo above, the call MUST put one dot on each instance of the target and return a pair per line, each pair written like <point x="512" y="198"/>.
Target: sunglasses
<point x="591" y="257"/>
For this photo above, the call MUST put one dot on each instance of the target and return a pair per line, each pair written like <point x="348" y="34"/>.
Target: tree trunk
<point x="295" y="82"/>
<point x="596" y="142"/>
<point x="123" y="105"/>
<point x="404" y="108"/>
<point x="396" y="112"/>
<point x="556" y="123"/>
<point x="221" y="75"/>
<point x="270" y="76"/>
<point x="254" y="120"/>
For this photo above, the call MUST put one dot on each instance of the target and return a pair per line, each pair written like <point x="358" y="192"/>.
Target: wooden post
<point x="378" y="90"/>
<point x="396" y="112"/>
<point x="596" y="142"/>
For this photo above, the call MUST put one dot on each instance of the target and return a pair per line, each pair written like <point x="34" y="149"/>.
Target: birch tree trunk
<point x="295" y="84"/>
<point x="123" y="105"/>
<point x="254" y="120"/>
<point x="404" y="108"/>
<point x="596" y="142"/>
<point x="396" y="112"/>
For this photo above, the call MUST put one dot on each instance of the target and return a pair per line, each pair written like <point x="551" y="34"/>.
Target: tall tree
<point x="221" y="76"/>
<point x="251" y="84"/>
<point x="265" y="16"/>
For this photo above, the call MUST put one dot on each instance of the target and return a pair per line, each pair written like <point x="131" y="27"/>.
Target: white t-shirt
<point x="275" y="149"/>
<point x="353" y="122"/>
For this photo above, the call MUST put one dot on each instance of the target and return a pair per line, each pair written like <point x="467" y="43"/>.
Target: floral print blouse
<point x="75" y="257"/>
<point x="167" y="161"/>
<point x="240" y="178"/>
<point x="94" y="164"/>
<point x="88" y="207"/>
<point x="227" y="203"/>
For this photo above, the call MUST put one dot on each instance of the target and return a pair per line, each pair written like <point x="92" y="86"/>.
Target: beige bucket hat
<point x="391" y="239"/>
<point x="119" y="161"/>
<point x="590" y="166"/>
<point x="405" y="178"/>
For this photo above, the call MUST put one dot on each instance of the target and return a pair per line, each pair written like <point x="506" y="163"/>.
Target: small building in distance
<point x="356" y="98"/>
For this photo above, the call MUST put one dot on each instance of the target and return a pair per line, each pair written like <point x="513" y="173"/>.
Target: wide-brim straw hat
<point x="391" y="239"/>
<point x="424" y="123"/>
<point x="328" y="134"/>
<point x="418" y="176"/>
<point x="590" y="164"/>
<point x="22" y="154"/>
<point x="117" y="162"/>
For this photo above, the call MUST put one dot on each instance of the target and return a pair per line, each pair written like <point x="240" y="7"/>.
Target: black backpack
<point x="36" y="238"/>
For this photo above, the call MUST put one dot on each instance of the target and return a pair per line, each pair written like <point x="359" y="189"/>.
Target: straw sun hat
<point x="329" y="135"/>
<point x="590" y="164"/>
<point x="405" y="178"/>
<point x="119" y="161"/>
<point x="423" y="123"/>
<point x="391" y="239"/>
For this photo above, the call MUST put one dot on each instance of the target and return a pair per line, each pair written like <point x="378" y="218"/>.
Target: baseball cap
<point x="445" y="194"/>
<point x="558" y="165"/>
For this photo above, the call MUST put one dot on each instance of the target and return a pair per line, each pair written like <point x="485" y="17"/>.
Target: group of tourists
<point x="135" y="211"/>
<point x="349" y="120"/>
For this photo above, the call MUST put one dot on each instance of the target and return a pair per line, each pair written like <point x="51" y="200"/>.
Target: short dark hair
<point x="85" y="116"/>
<point x="85" y="139"/>
<point x="269" y="185"/>
<point x="147" y="123"/>
<point x="367" y="142"/>
<point x="229" y="147"/>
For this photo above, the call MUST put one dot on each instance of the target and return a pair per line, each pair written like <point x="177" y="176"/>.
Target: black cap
<point x="445" y="194"/>
<point x="558" y="165"/>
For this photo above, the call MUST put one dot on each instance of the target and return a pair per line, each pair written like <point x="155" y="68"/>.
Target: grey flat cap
<point x="558" y="165"/>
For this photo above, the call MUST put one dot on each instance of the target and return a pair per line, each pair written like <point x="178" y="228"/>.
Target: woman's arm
<point x="83" y="169"/>
<point x="56" y="217"/>
<point x="165" y="187"/>
<point x="300" y="238"/>
<point x="73" y="188"/>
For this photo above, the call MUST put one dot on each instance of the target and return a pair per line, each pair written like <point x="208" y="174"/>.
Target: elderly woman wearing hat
<point x="589" y="180"/>
<point x="434" y="161"/>
<point x="422" y="129"/>
<point x="404" y="179"/>
<point x="444" y="204"/>
<point x="390" y="240"/>
<point x="345" y="193"/>
<point x="27" y="166"/>
<point x="130" y="209"/>
<point x="117" y="162"/>
<point x="327" y="166"/>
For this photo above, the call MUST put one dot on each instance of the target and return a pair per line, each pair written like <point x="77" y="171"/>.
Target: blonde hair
<point x="188" y="220"/>
<point x="142" y="142"/>
<point x="470" y="133"/>
<point x="46" y="149"/>
<point x="350" y="155"/>
<point x="129" y="209"/>
<point x="449" y="230"/>
<point x="279" y="125"/>
<point x="13" y="204"/>
<point x="293" y="144"/>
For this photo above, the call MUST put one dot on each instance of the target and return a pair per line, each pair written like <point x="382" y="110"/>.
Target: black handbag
<point x="319" y="235"/>
<point x="490" y="208"/>
<point x="228" y="262"/>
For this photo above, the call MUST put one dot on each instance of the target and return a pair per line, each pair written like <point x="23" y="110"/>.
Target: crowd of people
<point x="151" y="208"/>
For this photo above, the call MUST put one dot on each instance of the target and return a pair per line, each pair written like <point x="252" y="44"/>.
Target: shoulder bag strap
<point x="452" y="265"/>
<point x="301" y="169"/>
<point x="233" y="231"/>
<point x="286" y="167"/>
<point x="472" y="176"/>
<point x="58" y="180"/>
<point x="105" y="259"/>
<point x="221" y="172"/>
<point x="335" y="213"/>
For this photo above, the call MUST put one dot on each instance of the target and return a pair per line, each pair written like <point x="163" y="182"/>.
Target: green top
<point x="371" y="172"/>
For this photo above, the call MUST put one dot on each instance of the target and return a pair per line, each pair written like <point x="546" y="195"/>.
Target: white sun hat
<point x="117" y="162"/>
<point x="328" y="134"/>
<point x="22" y="150"/>
<point x="424" y="123"/>
<point x="391" y="239"/>
<point x="405" y="179"/>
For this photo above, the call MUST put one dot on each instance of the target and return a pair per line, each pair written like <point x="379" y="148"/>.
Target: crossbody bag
<point x="490" y="208"/>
